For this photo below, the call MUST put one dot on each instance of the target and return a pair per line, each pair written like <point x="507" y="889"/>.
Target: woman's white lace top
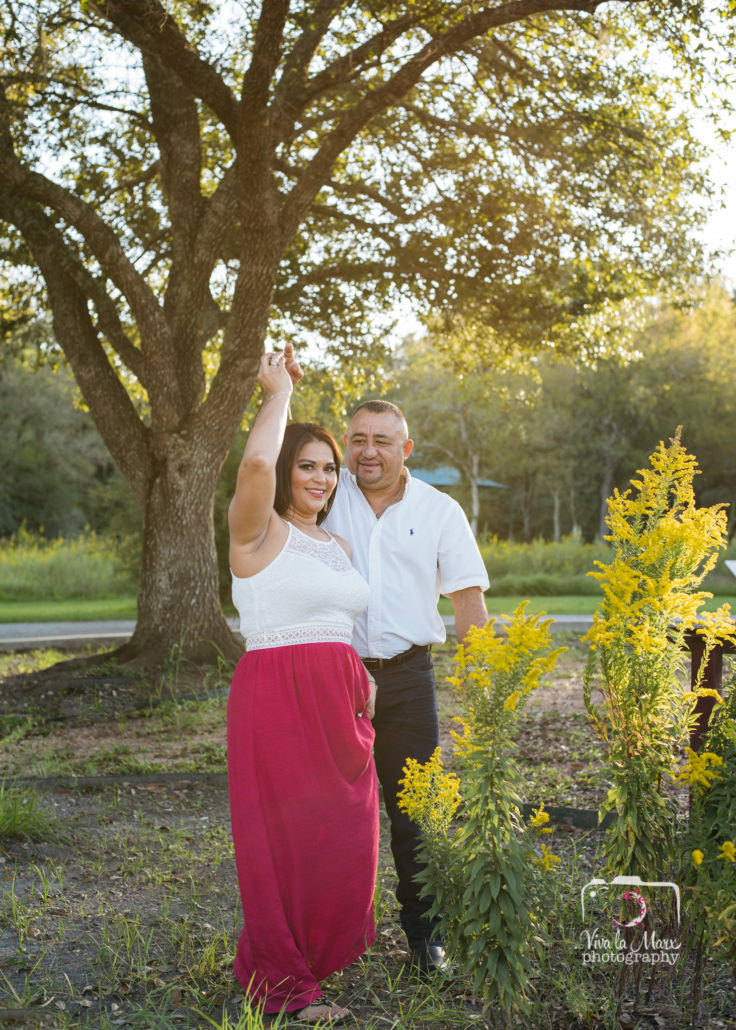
<point x="309" y="593"/>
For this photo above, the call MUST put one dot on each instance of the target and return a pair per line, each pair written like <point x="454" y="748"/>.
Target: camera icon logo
<point x="630" y="888"/>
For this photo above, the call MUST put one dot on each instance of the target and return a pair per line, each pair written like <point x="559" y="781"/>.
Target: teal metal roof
<point x="446" y="475"/>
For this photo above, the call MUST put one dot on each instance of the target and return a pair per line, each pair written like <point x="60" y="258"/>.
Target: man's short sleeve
<point x="458" y="559"/>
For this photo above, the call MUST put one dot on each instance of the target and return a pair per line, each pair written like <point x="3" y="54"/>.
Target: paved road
<point x="19" y="636"/>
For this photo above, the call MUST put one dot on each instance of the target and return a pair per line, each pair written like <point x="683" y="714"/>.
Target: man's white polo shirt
<point x="421" y="547"/>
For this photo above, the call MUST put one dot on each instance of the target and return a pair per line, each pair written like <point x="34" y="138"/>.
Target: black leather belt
<point x="372" y="664"/>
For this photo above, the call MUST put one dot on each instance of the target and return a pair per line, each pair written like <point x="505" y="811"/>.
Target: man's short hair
<point x="381" y="407"/>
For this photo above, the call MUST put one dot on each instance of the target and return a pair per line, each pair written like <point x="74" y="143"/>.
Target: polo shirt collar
<point x="353" y="480"/>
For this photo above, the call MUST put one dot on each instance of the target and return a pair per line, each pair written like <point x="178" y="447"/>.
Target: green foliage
<point x="543" y="567"/>
<point x="479" y="871"/>
<point x="562" y="433"/>
<point x="34" y="568"/>
<point x="56" y="474"/>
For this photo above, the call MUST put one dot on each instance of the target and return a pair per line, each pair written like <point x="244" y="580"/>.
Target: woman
<point x="303" y="793"/>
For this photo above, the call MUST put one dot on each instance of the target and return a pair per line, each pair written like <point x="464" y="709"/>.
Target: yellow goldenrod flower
<point x="728" y="851"/>
<point x="698" y="857"/>
<point x="709" y="692"/>
<point x="547" y="860"/>
<point x="696" y="772"/>
<point x="429" y="795"/>
<point x="510" y="702"/>
<point x="539" y="818"/>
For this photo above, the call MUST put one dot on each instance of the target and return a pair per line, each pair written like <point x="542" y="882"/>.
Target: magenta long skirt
<point x="304" y="811"/>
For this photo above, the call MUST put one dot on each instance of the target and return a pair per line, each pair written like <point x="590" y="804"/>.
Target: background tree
<point x="53" y="466"/>
<point x="455" y="415"/>
<point x="563" y="431"/>
<point x="190" y="178"/>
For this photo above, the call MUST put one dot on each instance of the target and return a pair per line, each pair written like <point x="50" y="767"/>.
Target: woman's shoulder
<point x="247" y="561"/>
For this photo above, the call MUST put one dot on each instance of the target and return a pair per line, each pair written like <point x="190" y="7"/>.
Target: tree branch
<point x="158" y="351"/>
<point x="264" y="62"/>
<point x="475" y="24"/>
<point x="293" y="76"/>
<point x="177" y="133"/>
<point x="347" y="271"/>
<point x="110" y="405"/>
<point x="340" y="72"/>
<point x="150" y="27"/>
<point x="74" y="93"/>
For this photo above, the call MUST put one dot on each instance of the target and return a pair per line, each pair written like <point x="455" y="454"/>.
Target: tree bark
<point x="178" y="601"/>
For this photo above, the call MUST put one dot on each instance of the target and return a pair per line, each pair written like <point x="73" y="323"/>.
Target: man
<point x="411" y="542"/>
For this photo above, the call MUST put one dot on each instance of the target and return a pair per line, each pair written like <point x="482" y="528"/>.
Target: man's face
<point x="375" y="448"/>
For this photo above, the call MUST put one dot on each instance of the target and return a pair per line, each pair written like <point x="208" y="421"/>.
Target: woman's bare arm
<point x="252" y="505"/>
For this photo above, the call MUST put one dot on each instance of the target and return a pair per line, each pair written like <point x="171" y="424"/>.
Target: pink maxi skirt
<point x="304" y="813"/>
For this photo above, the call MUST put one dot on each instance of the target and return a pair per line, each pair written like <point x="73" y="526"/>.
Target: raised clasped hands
<point x="279" y="373"/>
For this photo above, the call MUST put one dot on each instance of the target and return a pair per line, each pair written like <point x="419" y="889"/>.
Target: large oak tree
<point x="191" y="177"/>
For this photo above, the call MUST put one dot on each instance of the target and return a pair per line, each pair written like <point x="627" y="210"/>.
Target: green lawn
<point x="82" y="610"/>
<point x="75" y="610"/>
<point x="562" y="605"/>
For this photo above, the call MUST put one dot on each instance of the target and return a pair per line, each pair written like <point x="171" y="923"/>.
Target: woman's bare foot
<point x="322" y="1010"/>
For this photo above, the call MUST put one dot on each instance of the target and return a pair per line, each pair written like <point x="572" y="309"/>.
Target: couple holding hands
<point x="336" y="576"/>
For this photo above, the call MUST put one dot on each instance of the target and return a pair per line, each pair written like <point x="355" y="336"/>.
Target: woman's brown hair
<point x="296" y="436"/>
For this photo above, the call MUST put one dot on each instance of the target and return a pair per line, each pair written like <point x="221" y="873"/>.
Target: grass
<point x="77" y="609"/>
<point x="81" y="610"/>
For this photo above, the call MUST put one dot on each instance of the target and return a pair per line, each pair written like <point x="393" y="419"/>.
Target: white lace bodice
<point x="308" y="594"/>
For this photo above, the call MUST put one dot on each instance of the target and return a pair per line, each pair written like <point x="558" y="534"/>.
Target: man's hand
<point x="291" y="364"/>
<point x="370" y="705"/>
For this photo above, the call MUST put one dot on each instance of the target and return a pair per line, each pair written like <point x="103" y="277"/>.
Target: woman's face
<point x="313" y="478"/>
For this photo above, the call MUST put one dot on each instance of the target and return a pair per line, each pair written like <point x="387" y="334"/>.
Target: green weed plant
<point x="23" y="815"/>
<point x="482" y="867"/>
<point x="663" y="547"/>
<point x="542" y="567"/>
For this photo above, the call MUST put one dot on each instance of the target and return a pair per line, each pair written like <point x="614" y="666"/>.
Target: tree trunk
<point x="556" y="515"/>
<point x="178" y="598"/>
<point x="527" y="498"/>
<point x="575" y="528"/>
<point x="609" y="469"/>
<point x="474" y="495"/>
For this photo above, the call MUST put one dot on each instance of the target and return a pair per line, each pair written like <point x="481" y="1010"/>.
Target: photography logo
<point x="630" y="921"/>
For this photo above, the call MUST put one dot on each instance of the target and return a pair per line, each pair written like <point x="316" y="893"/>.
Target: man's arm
<point x="470" y="610"/>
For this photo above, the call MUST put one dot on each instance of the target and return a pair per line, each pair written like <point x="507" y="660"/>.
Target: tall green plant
<point x="664" y="546"/>
<point x="478" y="869"/>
